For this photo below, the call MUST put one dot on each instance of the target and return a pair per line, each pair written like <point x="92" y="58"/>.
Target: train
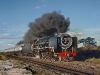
<point x="60" y="47"/>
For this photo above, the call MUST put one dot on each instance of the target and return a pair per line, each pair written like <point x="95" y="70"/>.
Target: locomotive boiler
<point x="61" y="47"/>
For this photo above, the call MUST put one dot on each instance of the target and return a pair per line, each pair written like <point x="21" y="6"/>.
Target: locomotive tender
<point x="61" y="47"/>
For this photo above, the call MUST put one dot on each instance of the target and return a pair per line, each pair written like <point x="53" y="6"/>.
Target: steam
<point x="47" y="25"/>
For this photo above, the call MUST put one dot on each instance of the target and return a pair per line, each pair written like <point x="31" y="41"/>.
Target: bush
<point x="95" y="60"/>
<point x="2" y="56"/>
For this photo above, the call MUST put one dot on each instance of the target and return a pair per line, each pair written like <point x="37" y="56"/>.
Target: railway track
<point x="66" y="67"/>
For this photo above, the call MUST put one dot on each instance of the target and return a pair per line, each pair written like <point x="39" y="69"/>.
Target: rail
<point x="58" y="66"/>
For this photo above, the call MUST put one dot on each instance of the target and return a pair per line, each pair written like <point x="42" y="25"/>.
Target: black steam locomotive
<point x="61" y="47"/>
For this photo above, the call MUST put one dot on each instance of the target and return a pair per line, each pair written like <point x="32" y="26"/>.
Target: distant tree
<point x="98" y="47"/>
<point x="88" y="42"/>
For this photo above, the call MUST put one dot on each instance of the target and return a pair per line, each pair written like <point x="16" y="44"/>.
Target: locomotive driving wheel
<point x="62" y="59"/>
<point x="46" y="54"/>
<point x="66" y="58"/>
<point x="70" y="58"/>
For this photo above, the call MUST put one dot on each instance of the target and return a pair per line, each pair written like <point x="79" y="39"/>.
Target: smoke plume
<point x="20" y="42"/>
<point x="47" y="25"/>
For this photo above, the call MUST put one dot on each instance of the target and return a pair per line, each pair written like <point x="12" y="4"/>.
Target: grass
<point x="94" y="60"/>
<point x="2" y="56"/>
<point x="33" y="72"/>
<point x="26" y="72"/>
<point x="36" y="74"/>
<point x="16" y="64"/>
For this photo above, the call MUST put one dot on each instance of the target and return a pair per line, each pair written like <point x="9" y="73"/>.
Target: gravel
<point x="7" y="68"/>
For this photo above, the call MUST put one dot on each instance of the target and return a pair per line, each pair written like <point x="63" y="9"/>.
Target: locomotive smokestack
<point x="47" y="25"/>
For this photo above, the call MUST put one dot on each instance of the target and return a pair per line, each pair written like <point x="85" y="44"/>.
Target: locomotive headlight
<point x="66" y="41"/>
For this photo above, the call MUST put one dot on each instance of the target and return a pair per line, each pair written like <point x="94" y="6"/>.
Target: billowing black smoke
<point x="47" y="25"/>
<point x="20" y="42"/>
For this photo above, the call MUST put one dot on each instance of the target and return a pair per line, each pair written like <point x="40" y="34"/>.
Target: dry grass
<point x="94" y="60"/>
<point x="16" y="64"/>
<point x="2" y="56"/>
<point x="26" y="72"/>
<point x="36" y="74"/>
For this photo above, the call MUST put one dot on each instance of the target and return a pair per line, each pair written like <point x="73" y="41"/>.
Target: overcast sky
<point x="15" y="16"/>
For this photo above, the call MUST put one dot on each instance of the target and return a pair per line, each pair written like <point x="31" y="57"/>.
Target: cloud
<point x="10" y="36"/>
<point x="6" y="34"/>
<point x="1" y="42"/>
<point x="37" y="7"/>
<point x="2" y="29"/>
<point x="92" y="29"/>
<point x="7" y="43"/>
<point x="87" y="32"/>
<point x="4" y="23"/>
<point x="44" y="5"/>
<point x="75" y="33"/>
<point x="10" y="44"/>
<point x="92" y="32"/>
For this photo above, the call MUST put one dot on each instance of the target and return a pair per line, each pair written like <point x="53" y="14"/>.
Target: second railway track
<point x="66" y="67"/>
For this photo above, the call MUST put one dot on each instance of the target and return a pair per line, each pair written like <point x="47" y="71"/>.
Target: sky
<point x="15" y="16"/>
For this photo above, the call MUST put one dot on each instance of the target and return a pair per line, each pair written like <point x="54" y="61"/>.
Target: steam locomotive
<point x="60" y="47"/>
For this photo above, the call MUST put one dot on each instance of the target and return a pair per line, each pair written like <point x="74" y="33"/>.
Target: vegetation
<point x="94" y="60"/>
<point x="88" y="43"/>
<point x="16" y="64"/>
<point x="26" y="72"/>
<point x="89" y="52"/>
<point x="36" y="74"/>
<point x="2" y="56"/>
<point x="89" y="48"/>
<point x="85" y="54"/>
<point x="33" y="72"/>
